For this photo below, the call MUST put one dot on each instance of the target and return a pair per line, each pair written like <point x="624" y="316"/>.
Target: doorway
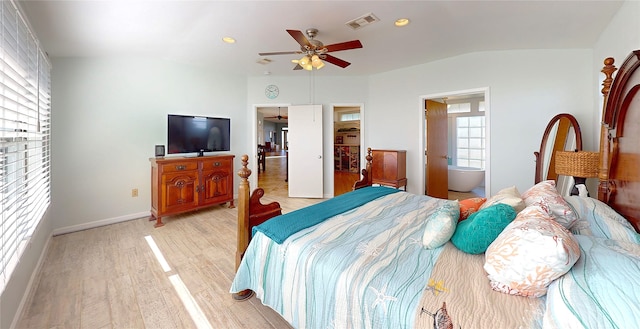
<point x="289" y="128"/>
<point x="271" y="136"/>
<point x="348" y="148"/>
<point x="458" y="148"/>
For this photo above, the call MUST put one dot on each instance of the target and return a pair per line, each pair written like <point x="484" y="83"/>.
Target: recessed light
<point x="229" y="40"/>
<point x="401" y="22"/>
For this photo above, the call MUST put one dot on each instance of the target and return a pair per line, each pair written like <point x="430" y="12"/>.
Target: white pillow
<point x="441" y="225"/>
<point x="530" y="253"/>
<point x="547" y="197"/>
<point x="509" y="196"/>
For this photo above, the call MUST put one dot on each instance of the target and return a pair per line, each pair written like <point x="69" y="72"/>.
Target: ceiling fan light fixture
<point x="304" y="61"/>
<point x="314" y="51"/>
<point x="317" y="62"/>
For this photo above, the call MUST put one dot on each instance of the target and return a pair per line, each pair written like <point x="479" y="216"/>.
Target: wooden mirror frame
<point x="565" y="121"/>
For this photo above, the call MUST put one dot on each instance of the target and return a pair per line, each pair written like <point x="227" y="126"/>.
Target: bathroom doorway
<point x="464" y="160"/>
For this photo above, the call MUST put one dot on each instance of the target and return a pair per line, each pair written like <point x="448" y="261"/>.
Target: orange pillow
<point x="469" y="206"/>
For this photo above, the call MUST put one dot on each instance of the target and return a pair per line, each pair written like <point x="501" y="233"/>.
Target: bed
<point x="381" y="258"/>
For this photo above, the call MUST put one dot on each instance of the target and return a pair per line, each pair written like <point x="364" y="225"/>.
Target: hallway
<point x="272" y="180"/>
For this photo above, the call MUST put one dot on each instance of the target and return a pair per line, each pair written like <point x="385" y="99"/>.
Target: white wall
<point x="107" y="116"/>
<point x="527" y="88"/>
<point x="16" y="292"/>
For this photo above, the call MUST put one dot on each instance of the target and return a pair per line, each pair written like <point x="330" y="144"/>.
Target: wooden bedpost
<point x="243" y="210"/>
<point x="366" y="173"/>
<point x="603" y="169"/>
<point x="251" y="212"/>
<point x="243" y="221"/>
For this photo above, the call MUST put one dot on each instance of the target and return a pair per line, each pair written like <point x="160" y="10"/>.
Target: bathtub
<point x="464" y="179"/>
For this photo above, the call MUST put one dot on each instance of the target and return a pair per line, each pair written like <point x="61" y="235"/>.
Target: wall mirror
<point x="562" y="134"/>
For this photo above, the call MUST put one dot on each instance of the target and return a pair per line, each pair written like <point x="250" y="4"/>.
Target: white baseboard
<point x="103" y="222"/>
<point x="29" y="291"/>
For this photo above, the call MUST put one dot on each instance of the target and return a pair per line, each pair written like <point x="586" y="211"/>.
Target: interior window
<point x="350" y="116"/>
<point x="470" y="141"/>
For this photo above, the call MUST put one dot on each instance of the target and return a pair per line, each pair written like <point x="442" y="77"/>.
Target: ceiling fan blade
<point x="336" y="61"/>
<point x="353" y="44"/>
<point x="280" y="53"/>
<point x="300" y="38"/>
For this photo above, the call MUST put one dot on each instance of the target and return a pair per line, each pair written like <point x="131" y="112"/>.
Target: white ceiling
<point x="191" y="31"/>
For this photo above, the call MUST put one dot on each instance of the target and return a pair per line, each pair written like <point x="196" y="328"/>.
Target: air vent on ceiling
<point x="264" y="61"/>
<point x="363" y="21"/>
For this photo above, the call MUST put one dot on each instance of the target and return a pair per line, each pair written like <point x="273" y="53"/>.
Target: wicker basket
<point x="577" y="164"/>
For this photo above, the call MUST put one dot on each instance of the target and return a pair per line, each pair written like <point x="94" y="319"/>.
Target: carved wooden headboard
<point x="619" y="171"/>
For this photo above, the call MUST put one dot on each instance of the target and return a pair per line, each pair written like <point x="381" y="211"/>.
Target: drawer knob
<point x="216" y="164"/>
<point x="181" y="167"/>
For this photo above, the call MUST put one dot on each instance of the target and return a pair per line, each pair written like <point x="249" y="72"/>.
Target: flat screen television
<point x="189" y="133"/>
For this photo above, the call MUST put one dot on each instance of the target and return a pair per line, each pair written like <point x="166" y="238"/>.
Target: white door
<point x="305" y="151"/>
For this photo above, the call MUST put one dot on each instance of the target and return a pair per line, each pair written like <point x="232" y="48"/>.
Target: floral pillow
<point x="597" y="219"/>
<point x="547" y="197"/>
<point x="530" y="253"/>
<point x="469" y="206"/>
<point x="509" y="196"/>
<point x="440" y="225"/>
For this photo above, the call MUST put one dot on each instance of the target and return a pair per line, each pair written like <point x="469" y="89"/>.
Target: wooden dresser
<point x="389" y="168"/>
<point x="181" y="184"/>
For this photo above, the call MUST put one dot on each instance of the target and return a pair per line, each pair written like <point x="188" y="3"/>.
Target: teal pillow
<point x="475" y="234"/>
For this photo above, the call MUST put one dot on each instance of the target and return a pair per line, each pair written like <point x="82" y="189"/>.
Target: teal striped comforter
<point x="281" y="227"/>
<point x="600" y="291"/>
<point x="365" y="268"/>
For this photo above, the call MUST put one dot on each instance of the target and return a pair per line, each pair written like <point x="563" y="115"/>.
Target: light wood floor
<point x="273" y="178"/>
<point x="108" y="277"/>
<point x="477" y="192"/>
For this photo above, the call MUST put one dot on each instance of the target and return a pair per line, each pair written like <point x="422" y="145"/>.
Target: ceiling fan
<point x="315" y="51"/>
<point x="279" y="117"/>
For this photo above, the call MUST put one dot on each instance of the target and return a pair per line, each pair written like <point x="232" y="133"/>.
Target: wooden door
<point x="217" y="185"/>
<point x="305" y="166"/>
<point x="436" y="175"/>
<point x="179" y="191"/>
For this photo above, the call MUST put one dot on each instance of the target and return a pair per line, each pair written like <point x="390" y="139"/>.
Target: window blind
<point x="25" y="107"/>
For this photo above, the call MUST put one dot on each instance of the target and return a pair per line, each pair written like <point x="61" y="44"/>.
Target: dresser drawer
<point x="179" y="166"/>
<point x="217" y="164"/>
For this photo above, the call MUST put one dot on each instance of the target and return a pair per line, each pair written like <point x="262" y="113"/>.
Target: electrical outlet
<point x="134" y="192"/>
